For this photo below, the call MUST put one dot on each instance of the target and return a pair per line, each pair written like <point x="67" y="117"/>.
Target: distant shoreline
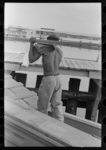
<point x="63" y="43"/>
<point x="16" y="39"/>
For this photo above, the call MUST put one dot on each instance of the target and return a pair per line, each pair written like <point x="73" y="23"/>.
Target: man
<point x="50" y="87"/>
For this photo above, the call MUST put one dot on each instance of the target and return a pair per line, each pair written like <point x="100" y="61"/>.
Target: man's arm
<point x="44" y="49"/>
<point x="59" y="51"/>
<point x="36" y="50"/>
<point x="33" y="53"/>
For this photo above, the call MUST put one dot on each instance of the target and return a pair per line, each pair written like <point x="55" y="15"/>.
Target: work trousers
<point x="50" y="92"/>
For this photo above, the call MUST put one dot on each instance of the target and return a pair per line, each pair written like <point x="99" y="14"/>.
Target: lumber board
<point x="53" y="128"/>
<point x="87" y="126"/>
<point x="65" y="43"/>
<point x="31" y="136"/>
<point x="32" y="101"/>
<point x="10" y="83"/>
<point x="22" y="92"/>
<point x="12" y="138"/>
<point x="19" y="102"/>
<point x="21" y="107"/>
<point x="82" y="124"/>
<point x="9" y="66"/>
<point x="35" y="68"/>
<point x="7" y="76"/>
<point x="10" y="94"/>
<point x="21" y="139"/>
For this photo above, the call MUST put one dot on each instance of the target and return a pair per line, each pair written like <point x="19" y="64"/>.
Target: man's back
<point x="51" y="57"/>
<point x="51" y="60"/>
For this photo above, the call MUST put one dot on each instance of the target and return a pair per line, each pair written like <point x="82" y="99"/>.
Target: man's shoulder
<point x="44" y="48"/>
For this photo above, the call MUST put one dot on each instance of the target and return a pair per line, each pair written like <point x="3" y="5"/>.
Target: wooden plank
<point x="7" y="76"/>
<point x="11" y="66"/>
<point x="22" y="104"/>
<point x="55" y="129"/>
<point x="10" y="94"/>
<point x="12" y="138"/>
<point x="65" y="43"/>
<point x="14" y="99"/>
<point x="20" y="139"/>
<point x="31" y="129"/>
<point x="95" y="75"/>
<point x="63" y="71"/>
<point x="10" y="83"/>
<point x="32" y="101"/>
<point x="67" y="134"/>
<point x="31" y="136"/>
<point x="7" y="143"/>
<point x="22" y="92"/>
<point x="18" y="102"/>
<point x="68" y="119"/>
<point x="82" y="124"/>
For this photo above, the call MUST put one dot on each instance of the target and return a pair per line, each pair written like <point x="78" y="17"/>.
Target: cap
<point x="53" y="37"/>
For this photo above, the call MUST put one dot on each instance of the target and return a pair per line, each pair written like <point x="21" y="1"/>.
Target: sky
<point x="81" y="18"/>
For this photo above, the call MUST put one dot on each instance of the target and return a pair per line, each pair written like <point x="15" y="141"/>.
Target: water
<point x="75" y="53"/>
<point x="16" y="47"/>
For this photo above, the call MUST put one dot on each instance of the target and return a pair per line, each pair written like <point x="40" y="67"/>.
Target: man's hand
<point x="32" y="40"/>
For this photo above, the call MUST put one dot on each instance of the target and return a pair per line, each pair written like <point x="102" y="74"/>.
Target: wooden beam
<point x="53" y="129"/>
<point x="17" y="110"/>
<point x="11" y="66"/>
<point x="63" y="71"/>
<point x="73" y="72"/>
<point x="36" y="68"/>
<point x="91" y="46"/>
<point x="87" y="126"/>
<point x="95" y="74"/>
<point x="21" y="134"/>
<point x="71" y="35"/>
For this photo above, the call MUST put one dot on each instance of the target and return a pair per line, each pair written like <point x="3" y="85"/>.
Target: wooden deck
<point x="25" y="126"/>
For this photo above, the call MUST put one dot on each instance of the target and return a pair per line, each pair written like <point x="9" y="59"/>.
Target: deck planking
<point x="21" y="103"/>
<point x="53" y="128"/>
